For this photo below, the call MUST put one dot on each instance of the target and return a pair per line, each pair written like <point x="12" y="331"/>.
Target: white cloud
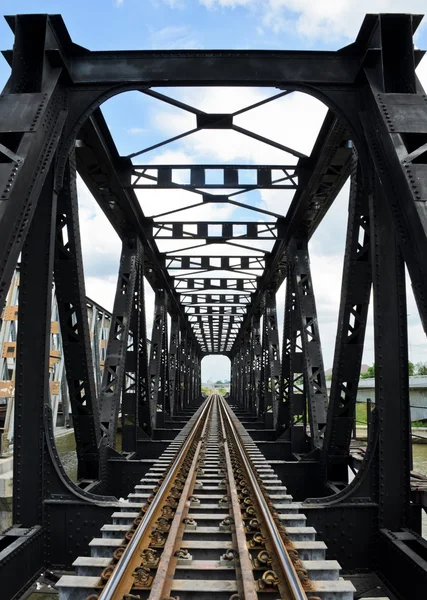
<point x="226" y="3"/>
<point x="170" y="3"/>
<point x="136" y="130"/>
<point x="325" y="19"/>
<point x="173" y="36"/>
<point x="292" y="120"/>
<point x="101" y="249"/>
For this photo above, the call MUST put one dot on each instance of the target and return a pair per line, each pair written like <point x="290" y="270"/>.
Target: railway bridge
<point x="257" y="495"/>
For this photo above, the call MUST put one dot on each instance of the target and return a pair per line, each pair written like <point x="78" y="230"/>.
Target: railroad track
<point x="210" y="520"/>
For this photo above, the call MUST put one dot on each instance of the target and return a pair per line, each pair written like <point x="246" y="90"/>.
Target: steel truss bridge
<point x="375" y="133"/>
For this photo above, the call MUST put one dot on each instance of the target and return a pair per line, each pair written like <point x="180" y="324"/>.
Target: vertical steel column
<point x="355" y="293"/>
<point x="314" y="373"/>
<point x="237" y="376"/>
<point x="242" y="374"/>
<point x="174" y="364"/>
<point x="135" y="396"/>
<point x="187" y="380"/>
<point x="182" y="368"/>
<point x="143" y="400"/>
<point x="273" y="353"/>
<point x="165" y="367"/>
<point x="32" y="116"/>
<point x="199" y="376"/>
<point x="32" y="395"/>
<point x="247" y="369"/>
<point x="159" y="372"/>
<point x="262" y="403"/>
<point x="270" y="368"/>
<point x="194" y="374"/>
<point x="391" y="368"/>
<point x="73" y="318"/>
<point x="256" y="355"/>
<point x="292" y="417"/>
<point x="233" y="377"/>
<point x="114" y="367"/>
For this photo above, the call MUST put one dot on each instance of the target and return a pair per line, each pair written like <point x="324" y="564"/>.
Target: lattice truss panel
<point x="218" y="267"/>
<point x="99" y="321"/>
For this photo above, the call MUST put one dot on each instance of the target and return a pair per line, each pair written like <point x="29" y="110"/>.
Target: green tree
<point x="421" y="368"/>
<point x="369" y="373"/>
<point x="371" y="370"/>
<point x="216" y="382"/>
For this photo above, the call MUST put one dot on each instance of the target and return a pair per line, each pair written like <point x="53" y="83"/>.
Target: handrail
<point x="118" y="573"/>
<point x="286" y="565"/>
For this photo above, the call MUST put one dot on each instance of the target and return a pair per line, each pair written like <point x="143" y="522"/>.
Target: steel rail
<point x="113" y="583"/>
<point x="285" y="563"/>
<point x="244" y="572"/>
<point x="163" y="580"/>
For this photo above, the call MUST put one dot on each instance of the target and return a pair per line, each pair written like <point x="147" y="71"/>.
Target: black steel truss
<point x="204" y="177"/>
<point x="219" y="302"/>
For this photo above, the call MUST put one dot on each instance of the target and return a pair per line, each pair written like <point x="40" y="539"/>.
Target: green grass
<point x="362" y="420"/>
<point x="361" y="413"/>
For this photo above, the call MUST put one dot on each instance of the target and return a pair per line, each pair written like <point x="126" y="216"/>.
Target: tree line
<point x="419" y="368"/>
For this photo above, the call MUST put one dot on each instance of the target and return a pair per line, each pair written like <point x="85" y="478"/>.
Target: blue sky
<point x="137" y="121"/>
<point x="151" y="24"/>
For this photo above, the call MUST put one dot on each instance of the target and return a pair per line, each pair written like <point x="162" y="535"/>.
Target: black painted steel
<point x="375" y="130"/>
<point x="71" y="299"/>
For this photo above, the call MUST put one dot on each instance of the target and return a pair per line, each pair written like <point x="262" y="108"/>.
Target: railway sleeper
<point x="208" y="575"/>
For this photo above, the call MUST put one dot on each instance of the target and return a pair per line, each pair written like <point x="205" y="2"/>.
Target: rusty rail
<point x="118" y="583"/>
<point x="244" y="571"/>
<point x="289" y="580"/>
<point x="162" y="583"/>
<point x="288" y="583"/>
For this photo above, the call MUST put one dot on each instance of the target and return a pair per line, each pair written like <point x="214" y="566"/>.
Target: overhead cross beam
<point x="177" y="262"/>
<point x="196" y="177"/>
<point x="215" y="231"/>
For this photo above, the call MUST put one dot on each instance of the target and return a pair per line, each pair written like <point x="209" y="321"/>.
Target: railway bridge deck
<point x="238" y="498"/>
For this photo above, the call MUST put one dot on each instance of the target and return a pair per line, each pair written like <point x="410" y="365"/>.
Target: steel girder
<point x="391" y="365"/>
<point x="314" y="373"/>
<point x="292" y="412"/>
<point x="302" y="396"/>
<point x="32" y="118"/>
<point x="355" y="295"/>
<point x="255" y="361"/>
<point x="199" y="67"/>
<point x="270" y="359"/>
<point x="159" y="361"/>
<point x="174" y="364"/>
<point x="224" y="263"/>
<point x="226" y="176"/>
<point x="114" y="376"/>
<point x="136" y="412"/>
<point x="32" y="376"/>
<point x="216" y="231"/>
<point x="71" y="298"/>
